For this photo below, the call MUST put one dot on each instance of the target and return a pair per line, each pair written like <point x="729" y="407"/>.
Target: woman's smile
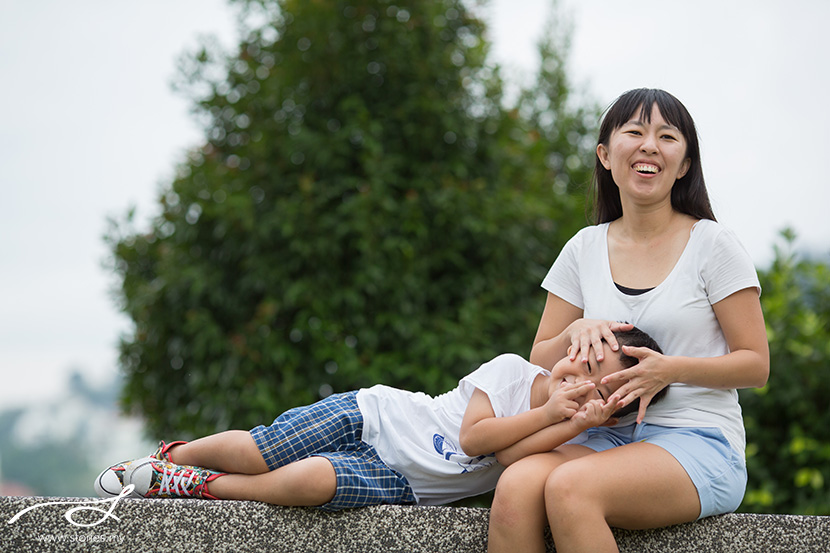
<point x="645" y="168"/>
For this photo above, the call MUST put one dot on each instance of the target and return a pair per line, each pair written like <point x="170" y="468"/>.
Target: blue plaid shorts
<point x="332" y="428"/>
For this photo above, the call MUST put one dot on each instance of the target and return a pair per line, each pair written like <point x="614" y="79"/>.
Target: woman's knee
<point x="518" y="493"/>
<point x="513" y="486"/>
<point x="569" y="484"/>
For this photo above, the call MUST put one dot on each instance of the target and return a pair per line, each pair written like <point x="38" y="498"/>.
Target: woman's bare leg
<point x="517" y="516"/>
<point x="635" y="486"/>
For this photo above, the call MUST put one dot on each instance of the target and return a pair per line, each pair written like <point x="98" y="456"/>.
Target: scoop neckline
<point x="647" y="291"/>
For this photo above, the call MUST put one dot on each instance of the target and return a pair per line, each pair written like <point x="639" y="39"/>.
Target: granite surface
<point x="45" y="524"/>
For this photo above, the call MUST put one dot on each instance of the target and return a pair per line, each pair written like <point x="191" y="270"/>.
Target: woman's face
<point x="645" y="158"/>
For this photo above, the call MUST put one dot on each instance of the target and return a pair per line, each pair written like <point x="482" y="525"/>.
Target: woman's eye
<point x="588" y="364"/>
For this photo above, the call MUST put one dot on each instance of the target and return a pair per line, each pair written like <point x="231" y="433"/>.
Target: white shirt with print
<point x="417" y="435"/>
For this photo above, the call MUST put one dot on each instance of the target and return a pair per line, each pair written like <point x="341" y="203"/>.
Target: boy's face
<point x="576" y="371"/>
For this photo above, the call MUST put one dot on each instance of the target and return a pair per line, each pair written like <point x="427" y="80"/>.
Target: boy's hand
<point x="595" y="413"/>
<point x="562" y="403"/>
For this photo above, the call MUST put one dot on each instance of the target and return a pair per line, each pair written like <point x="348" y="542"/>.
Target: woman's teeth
<point x="643" y="168"/>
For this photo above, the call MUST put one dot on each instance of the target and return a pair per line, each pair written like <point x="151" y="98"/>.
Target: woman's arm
<point x="745" y="366"/>
<point x="550" y="344"/>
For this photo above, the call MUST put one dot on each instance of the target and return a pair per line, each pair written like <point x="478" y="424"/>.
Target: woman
<point x="656" y="259"/>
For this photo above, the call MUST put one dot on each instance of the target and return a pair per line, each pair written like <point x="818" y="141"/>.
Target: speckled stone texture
<point x="191" y="525"/>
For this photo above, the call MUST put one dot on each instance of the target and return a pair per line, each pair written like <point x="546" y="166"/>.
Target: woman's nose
<point x="649" y="144"/>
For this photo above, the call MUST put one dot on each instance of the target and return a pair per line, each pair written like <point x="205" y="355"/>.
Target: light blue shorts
<point x="717" y="470"/>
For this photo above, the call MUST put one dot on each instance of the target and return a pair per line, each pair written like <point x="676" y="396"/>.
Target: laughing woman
<point x="656" y="258"/>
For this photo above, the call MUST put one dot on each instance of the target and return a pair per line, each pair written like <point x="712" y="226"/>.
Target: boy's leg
<point x="295" y="435"/>
<point x="327" y="425"/>
<point x="234" y="451"/>
<point x="304" y="483"/>
<point x="231" y="451"/>
<point x="517" y="515"/>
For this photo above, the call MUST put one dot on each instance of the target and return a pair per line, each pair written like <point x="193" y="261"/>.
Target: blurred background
<point x="99" y="124"/>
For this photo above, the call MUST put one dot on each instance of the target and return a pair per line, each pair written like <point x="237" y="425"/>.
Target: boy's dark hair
<point x="638" y="339"/>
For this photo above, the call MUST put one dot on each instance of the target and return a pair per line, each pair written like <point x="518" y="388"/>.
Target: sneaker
<point x="163" y="451"/>
<point x="112" y="480"/>
<point x="155" y="478"/>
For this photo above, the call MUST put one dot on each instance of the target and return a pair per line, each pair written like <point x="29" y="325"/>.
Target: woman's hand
<point x="562" y="403"/>
<point x="585" y="334"/>
<point x="644" y="380"/>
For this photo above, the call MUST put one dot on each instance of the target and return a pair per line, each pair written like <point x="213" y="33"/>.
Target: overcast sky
<point x="91" y="127"/>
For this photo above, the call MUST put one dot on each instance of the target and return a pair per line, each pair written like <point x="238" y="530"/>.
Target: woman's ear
<point x="684" y="168"/>
<point x="602" y="154"/>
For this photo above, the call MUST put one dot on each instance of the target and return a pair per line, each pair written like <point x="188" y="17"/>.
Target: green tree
<point x="364" y="209"/>
<point x="787" y="421"/>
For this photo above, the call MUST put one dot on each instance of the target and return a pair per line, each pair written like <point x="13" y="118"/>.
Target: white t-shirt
<point x="417" y="435"/>
<point x="678" y="313"/>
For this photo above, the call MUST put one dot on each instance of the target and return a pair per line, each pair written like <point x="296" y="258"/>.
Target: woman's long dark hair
<point x="688" y="194"/>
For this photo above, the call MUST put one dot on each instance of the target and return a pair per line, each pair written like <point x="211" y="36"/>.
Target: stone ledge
<point x="190" y="525"/>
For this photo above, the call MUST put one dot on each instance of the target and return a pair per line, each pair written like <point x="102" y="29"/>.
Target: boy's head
<point x="577" y="371"/>
<point x="638" y="339"/>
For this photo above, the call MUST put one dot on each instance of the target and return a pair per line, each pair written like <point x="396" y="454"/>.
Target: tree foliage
<point x="364" y="209"/>
<point x="787" y="421"/>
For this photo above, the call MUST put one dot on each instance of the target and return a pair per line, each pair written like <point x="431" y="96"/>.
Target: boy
<point x="384" y="445"/>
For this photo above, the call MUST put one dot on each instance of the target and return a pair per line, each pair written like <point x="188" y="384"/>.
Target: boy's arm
<point x="593" y="413"/>
<point x="546" y="439"/>
<point x="483" y="433"/>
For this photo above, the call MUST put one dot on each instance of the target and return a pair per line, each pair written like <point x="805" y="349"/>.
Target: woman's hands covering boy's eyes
<point x="563" y="403"/>
<point x="585" y="334"/>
